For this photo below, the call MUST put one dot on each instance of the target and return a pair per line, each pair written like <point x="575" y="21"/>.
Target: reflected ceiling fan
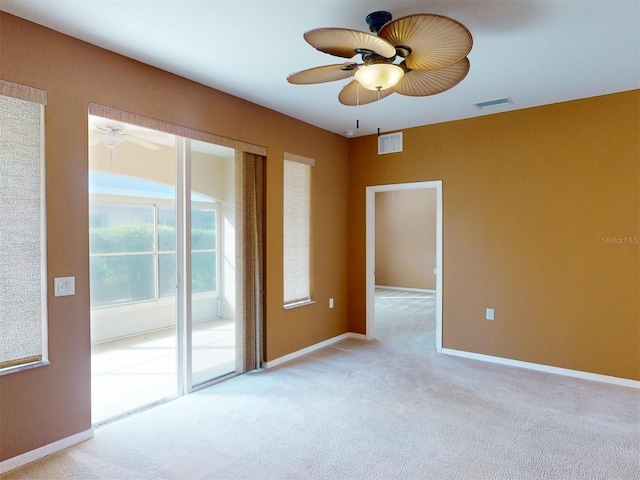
<point x="113" y="135"/>
<point x="416" y="55"/>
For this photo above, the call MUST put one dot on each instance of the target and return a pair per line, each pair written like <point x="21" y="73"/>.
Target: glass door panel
<point x="212" y="332"/>
<point x="132" y="240"/>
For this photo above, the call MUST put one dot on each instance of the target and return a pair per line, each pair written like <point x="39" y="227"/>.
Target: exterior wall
<point x="208" y="170"/>
<point x="406" y="239"/>
<point x="531" y="202"/>
<point x="125" y="320"/>
<point x="43" y="405"/>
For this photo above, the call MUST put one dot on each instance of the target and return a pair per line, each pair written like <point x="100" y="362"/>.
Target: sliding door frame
<point x="184" y="136"/>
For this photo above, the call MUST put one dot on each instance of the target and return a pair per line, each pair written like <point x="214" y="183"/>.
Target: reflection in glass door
<point x="213" y="335"/>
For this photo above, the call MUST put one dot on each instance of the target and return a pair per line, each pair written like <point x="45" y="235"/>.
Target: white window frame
<point x="156" y="252"/>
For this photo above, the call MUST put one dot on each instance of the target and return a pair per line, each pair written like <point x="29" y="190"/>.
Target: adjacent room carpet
<point x="386" y="409"/>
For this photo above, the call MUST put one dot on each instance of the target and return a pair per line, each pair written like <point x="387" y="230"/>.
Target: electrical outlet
<point x="489" y="314"/>
<point x="331" y="302"/>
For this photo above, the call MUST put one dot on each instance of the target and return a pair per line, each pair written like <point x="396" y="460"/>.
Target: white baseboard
<point x="407" y="289"/>
<point x="312" y="348"/>
<point x="38" y="453"/>
<point x="596" y="377"/>
<point x="359" y="336"/>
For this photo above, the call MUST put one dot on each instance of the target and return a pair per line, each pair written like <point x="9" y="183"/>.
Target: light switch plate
<point x="64" y="286"/>
<point x="489" y="314"/>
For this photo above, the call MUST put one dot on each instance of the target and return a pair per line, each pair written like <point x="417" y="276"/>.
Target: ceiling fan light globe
<point x="112" y="140"/>
<point x="379" y="76"/>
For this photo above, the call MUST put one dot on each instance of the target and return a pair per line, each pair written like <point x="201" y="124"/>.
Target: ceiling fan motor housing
<point x="376" y="20"/>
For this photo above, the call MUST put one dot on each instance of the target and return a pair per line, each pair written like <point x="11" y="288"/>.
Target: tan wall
<point x="46" y="404"/>
<point x="406" y="238"/>
<point x="207" y="171"/>
<point x="207" y="175"/>
<point x="133" y="160"/>
<point x="528" y="197"/>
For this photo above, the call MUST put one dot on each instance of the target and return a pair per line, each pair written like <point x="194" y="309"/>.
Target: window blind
<point x="297" y="235"/>
<point x="22" y="226"/>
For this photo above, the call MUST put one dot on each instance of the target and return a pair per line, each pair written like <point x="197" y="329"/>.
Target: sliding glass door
<point x="162" y="315"/>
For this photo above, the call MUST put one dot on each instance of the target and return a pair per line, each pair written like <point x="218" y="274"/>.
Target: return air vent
<point x="498" y="102"/>
<point x="390" y="143"/>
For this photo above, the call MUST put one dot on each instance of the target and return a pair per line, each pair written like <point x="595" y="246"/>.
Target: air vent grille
<point x="499" y="102"/>
<point x="391" y="143"/>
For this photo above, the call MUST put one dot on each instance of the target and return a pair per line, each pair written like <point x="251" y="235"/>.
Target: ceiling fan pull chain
<point x="378" y="112"/>
<point x="357" y="105"/>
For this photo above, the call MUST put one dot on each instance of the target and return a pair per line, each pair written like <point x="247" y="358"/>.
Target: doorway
<point x="162" y="267"/>
<point x="436" y="187"/>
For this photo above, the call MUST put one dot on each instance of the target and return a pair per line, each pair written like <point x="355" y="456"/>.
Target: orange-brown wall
<point x="406" y="238"/>
<point x="530" y="198"/>
<point x="46" y="404"/>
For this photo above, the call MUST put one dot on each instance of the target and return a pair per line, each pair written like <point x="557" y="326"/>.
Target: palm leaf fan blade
<point x="421" y="83"/>
<point x="327" y="73"/>
<point x="343" y="42"/>
<point x="435" y="41"/>
<point x="355" y="94"/>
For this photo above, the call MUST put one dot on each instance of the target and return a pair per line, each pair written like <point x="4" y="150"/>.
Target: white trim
<point x="44" y="282"/>
<point x="289" y="306"/>
<point x="370" y="250"/>
<point x="357" y="336"/>
<point x="407" y="289"/>
<point x="24" y="366"/>
<point x="311" y="348"/>
<point x="595" y="377"/>
<point x="38" y="453"/>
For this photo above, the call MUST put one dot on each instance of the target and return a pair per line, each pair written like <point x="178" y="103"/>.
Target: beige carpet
<point x="387" y="409"/>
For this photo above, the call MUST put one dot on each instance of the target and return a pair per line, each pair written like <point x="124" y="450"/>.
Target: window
<point x="23" y="284"/>
<point x="133" y="252"/>
<point x="203" y="250"/>
<point x="122" y="253"/>
<point x="297" y="235"/>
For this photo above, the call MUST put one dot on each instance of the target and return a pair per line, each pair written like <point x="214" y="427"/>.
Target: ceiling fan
<point x="416" y="55"/>
<point x="113" y="135"/>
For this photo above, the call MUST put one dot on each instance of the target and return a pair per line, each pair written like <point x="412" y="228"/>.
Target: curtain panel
<point x="250" y="258"/>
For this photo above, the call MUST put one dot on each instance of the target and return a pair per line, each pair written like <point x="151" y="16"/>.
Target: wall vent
<point x="499" y="102"/>
<point x="390" y="143"/>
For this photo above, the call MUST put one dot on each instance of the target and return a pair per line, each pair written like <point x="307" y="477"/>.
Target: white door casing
<point x="371" y="251"/>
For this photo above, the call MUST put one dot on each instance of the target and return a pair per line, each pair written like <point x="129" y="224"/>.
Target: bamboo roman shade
<point x="22" y="226"/>
<point x="297" y="229"/>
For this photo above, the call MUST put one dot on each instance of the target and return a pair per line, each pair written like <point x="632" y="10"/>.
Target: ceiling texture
<point x="535" y="52"/>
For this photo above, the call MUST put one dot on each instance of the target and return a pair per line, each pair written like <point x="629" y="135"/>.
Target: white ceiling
<point x="536" y="52"/>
